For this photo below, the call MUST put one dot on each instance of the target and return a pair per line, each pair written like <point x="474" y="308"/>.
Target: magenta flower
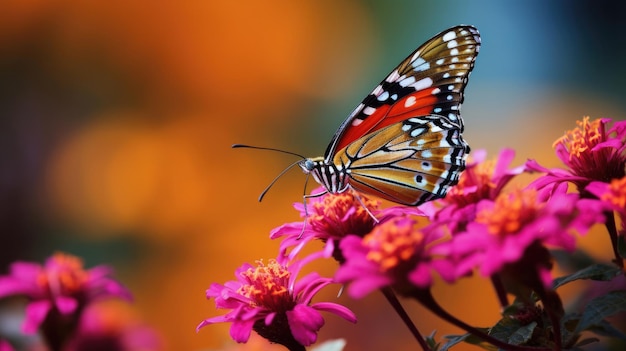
<point x="331" y="217"/>
<point x="612" y="196"/>
<point x="59" y="289"/>
<point x="590" y="152"/>
<point x="482" y="180"/>
<point x="505" y="229"/>
<point x="5" y="346"/>
<point x="112" y="327"/>
<point x="269" y="300"/>
<point x="395" y="254"/>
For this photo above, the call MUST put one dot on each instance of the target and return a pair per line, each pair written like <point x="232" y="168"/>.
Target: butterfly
<point x="403" y="142"/>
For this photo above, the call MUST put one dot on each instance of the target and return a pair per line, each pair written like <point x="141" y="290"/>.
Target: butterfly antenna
<point x="277" y="177"/>
<point x="242" y="146"/>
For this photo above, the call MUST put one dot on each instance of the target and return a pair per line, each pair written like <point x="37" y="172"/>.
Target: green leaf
<point x="605" y="328"/>
<point x="467" y="338"/>
<point x="504" y="329"/>
<point x="600" y="308"/>
<point x="523" y="334"/>
<point x="598" y="271"/>
<point x="431" y="342"/>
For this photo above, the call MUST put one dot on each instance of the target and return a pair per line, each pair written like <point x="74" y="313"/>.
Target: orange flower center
<point x="267" y="286"/>
<point x="474" y="184"/>
<point x="63" y="274"/>
<point x="617" y="193"/>
<point x="510" y="212"/>
<point x="582" y="139"/>
<point x="342" y="214"/>
<point x="393" y="243"/>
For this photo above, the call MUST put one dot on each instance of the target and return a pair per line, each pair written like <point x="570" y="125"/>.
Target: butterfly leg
<point x="306" y="212"/>
<point x="357" y="196"/>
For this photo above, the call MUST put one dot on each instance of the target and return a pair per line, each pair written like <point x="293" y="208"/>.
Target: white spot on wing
<point x="422" y="84"/>
<point x="420" y="64"/>
<point x="393" y="77"/>
<point x="452" y="44"/>
<point x="356" y="122"/>
<point x="407" y="81"/>
<point x="369" y="110"/>
<point x="449" y="36"/>
<point x="384" y="96"/>
<point x="410" y="101"/>
<point x="357" y="110"/>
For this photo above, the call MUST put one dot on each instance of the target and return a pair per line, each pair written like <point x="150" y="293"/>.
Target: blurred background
<point x="116" y="121"/>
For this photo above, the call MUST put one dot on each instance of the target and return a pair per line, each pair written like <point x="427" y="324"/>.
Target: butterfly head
<point x="333" y="177"/>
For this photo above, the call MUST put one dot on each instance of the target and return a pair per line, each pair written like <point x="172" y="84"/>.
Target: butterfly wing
<point x="409" y="162"/>
<point x="430" y="81"/>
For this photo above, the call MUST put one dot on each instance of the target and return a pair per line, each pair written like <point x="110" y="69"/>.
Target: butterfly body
<point x="403" y="142"/>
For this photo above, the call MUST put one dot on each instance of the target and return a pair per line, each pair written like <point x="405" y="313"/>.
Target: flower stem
<point x="500" y="290"/>
<point x="395" y="303"/>
<point x="427" y="299"/>
<point x="612" y="229"/>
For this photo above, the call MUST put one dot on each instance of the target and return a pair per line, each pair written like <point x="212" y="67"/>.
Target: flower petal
<point x="35" y="314"/>
<point x="304" y="323"/>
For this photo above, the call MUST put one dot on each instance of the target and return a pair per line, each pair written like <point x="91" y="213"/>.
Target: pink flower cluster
<point x="485" y="225"/>
<point x="64" y="305"/>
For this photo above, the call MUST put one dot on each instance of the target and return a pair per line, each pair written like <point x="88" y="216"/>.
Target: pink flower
<point x="5" y="346"/>
<point x="612" y="196"/>
<point x="331" y="217"/>
<point x="112" y="326"/>
<point x="482" y="180"/>
<point x="61" y="288"/>
<point x="395" y="254"/>
<point x="590" y="153"/>
<point x="505" y="229"/>
<point x="269" y="300"/>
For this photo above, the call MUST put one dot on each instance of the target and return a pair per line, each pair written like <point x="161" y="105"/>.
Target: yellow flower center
<point x="582" y="139"/>
<point x="617" y="193"/>
<point x="478" y="179"/>
<point x="63" y="273"/>
<point x="510" y="212"/>
<point x="393" y="243"/>
<point x="268" y="286"/>
<point x="331" y="214"/>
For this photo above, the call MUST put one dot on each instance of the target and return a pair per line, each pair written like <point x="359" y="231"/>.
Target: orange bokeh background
<point x="120" y="116"/>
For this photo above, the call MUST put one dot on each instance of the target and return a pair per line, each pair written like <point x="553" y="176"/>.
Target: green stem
<point x="500" y="290"/>
<point x="393" y="301"/>
<point x="612" y="229"/>
<point x="426" y="299"/>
